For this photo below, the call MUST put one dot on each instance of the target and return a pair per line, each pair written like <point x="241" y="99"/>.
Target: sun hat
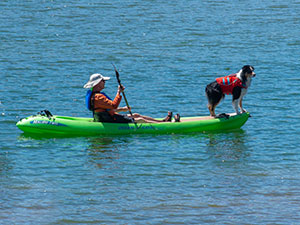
<point x="94" y="80"/>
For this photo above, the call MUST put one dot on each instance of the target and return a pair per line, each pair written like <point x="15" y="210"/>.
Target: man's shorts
<point x="105" y="117"/>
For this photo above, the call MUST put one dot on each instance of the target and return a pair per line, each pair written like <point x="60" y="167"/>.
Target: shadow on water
<point x="104" y="152"/>
<point x="228" y="146"/>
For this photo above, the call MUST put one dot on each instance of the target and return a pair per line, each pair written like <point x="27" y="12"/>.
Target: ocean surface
<point x="166" y="53"/>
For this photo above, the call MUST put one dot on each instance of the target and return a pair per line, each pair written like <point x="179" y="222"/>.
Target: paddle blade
<point x="117" y="74"/>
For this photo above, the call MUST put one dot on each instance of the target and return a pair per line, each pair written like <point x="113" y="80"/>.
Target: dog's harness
<point x="228" y="83"/>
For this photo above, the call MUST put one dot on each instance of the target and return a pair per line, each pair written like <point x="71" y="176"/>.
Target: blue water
<point x="166" y="53"/>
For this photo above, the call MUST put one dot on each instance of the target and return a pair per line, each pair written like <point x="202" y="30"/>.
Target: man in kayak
<point x="106" y="109"/>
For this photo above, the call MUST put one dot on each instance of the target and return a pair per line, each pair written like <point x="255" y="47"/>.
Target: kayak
<point x="65" y="125"/>
<point x="80" y="126"/>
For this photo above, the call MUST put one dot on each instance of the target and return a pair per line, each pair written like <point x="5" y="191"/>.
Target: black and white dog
<point x="235" y="84"/>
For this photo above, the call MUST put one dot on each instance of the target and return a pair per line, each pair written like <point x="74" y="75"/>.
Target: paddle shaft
<point x="119" y="81"/>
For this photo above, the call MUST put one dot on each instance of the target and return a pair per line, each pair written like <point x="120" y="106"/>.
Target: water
<point x="166" y="54"/>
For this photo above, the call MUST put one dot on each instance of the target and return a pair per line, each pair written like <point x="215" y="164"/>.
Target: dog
<point x="234" y="84"/>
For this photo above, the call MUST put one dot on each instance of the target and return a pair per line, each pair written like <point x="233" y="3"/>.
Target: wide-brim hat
<point x="94" y="80"/>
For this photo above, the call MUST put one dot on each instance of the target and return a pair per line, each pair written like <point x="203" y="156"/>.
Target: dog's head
<point x="246" y="74"/>
<point x="248" y="71"/>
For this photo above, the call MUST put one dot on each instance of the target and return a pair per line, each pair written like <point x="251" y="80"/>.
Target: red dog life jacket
<point x="229" y="82"/>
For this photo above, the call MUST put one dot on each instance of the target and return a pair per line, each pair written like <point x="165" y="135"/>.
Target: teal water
<point x="166" y="53"/>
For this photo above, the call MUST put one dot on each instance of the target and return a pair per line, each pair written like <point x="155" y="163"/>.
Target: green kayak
<point x="79" y="126"/>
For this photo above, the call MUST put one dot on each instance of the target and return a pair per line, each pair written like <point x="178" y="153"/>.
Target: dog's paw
<point x="243" y="111"/>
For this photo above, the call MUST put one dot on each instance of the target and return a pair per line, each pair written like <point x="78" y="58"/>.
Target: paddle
<point x="119" y="81"/>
